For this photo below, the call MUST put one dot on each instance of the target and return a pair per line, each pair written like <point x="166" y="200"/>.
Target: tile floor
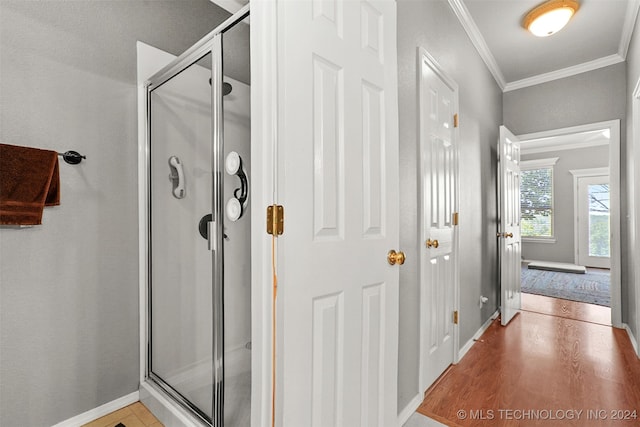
<point x="134" y="415"/>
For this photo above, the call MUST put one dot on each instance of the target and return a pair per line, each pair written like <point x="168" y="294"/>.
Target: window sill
<point x="538" y="240"/>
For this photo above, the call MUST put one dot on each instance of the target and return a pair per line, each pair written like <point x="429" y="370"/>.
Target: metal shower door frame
<point x="210" y="44"/>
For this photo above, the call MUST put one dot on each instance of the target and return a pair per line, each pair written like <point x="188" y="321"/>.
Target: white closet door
<point x="338" y="182"/>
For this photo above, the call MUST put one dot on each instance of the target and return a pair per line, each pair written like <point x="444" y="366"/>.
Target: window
<point x="536" y="199"/>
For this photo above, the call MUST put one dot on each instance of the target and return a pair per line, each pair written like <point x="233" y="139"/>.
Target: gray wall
<point x="433" y="25"/>
<point x="69" y="288"/>
<point x="563" y="216"/>
<point x="589" y="97"/>
<point x="631" y="158"/>
<point x="594" y="96"/>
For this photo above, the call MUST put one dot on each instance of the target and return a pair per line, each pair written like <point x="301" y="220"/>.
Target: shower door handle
<point x="212" y="236"/>
<point x="177" y="178"/>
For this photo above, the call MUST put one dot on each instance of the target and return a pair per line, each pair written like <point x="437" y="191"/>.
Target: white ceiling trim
<point x="565" y="72"/>
<point x="546" y="147"/>
<point x="590" y="127"/>
<point x="478" y="41"/>
<point x="628" y="27"/>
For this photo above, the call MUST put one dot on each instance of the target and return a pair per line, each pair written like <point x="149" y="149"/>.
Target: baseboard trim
<point x="100" y="411"/>
<point x="409" y="410"/>
<point x="477" y="335"/>
<point x="634" y="343"/>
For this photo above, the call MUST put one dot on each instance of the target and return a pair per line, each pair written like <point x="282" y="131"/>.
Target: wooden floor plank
<point x="539" y="368"/>
<point x="565" y="308"/>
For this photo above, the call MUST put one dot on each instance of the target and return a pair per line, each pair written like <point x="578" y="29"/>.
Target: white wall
<point x="590" y="97"/>
<point x="563" y="215"/>
<point x="69" y="288"/>
<point x="433" y="26"/>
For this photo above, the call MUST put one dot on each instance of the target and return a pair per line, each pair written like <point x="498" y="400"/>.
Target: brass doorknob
<point x="394" y="257"/>
<point x="508" y="234"/>
<point x="432" y="243"/>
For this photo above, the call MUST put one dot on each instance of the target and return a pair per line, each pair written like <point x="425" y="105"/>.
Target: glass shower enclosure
<point x="198" y="300"/>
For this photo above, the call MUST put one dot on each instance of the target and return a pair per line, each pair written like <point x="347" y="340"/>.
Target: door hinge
<point x="455" y="317"/>
<point x="455" y="120"/>
<point x="455" y="218"/>
<point x="275" y="220"/>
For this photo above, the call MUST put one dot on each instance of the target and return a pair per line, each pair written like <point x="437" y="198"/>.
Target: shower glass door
<point x="181" y="309"/>
<point x="199" y="286"/>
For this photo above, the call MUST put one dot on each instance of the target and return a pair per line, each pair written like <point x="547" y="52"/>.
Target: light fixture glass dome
<point x="550" y="17"/>
<point x="551" y="22"/>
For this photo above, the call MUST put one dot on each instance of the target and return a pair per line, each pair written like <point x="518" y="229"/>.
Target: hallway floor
<point x="543" y="369"/>
<point x="568" y="309"/>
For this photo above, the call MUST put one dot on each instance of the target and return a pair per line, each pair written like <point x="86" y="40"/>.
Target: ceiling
<point x="597" y="36"/>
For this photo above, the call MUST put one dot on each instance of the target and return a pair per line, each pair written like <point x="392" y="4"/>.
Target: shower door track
<point x="209" y="44"/>
<point x="179" y="398"/>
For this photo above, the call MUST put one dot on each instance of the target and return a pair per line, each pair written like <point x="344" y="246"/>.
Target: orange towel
<point x="29" y="181"/>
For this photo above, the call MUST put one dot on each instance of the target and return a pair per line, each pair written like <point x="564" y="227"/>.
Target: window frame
<point x="546" y="163"/>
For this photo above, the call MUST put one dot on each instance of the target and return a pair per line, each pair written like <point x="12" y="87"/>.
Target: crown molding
<point x="613" y="125"/>
<point x="564" y="72"/>
<point x="534" y="147"/>
<point x="627" y="28"/>
<point x="470" y="27"/>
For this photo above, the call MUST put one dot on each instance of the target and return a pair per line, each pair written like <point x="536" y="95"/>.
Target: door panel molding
<point x="338" y="180"/>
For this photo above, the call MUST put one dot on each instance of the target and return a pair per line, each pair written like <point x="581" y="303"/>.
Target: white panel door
<point x="438" y="186"/>
<point x="594" y="229"/>
<point x="338" y="181"/>
<point x="509" y="231"/>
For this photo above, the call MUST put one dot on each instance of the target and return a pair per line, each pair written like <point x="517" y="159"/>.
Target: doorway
<point x="570" y="207"/>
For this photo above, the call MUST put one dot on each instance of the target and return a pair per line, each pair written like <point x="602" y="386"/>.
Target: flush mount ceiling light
<point x="550" y="17"/>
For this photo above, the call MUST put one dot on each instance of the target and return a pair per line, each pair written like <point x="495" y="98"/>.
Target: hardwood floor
<point x="565" y="308"/>
<point x="539" y="369"/>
